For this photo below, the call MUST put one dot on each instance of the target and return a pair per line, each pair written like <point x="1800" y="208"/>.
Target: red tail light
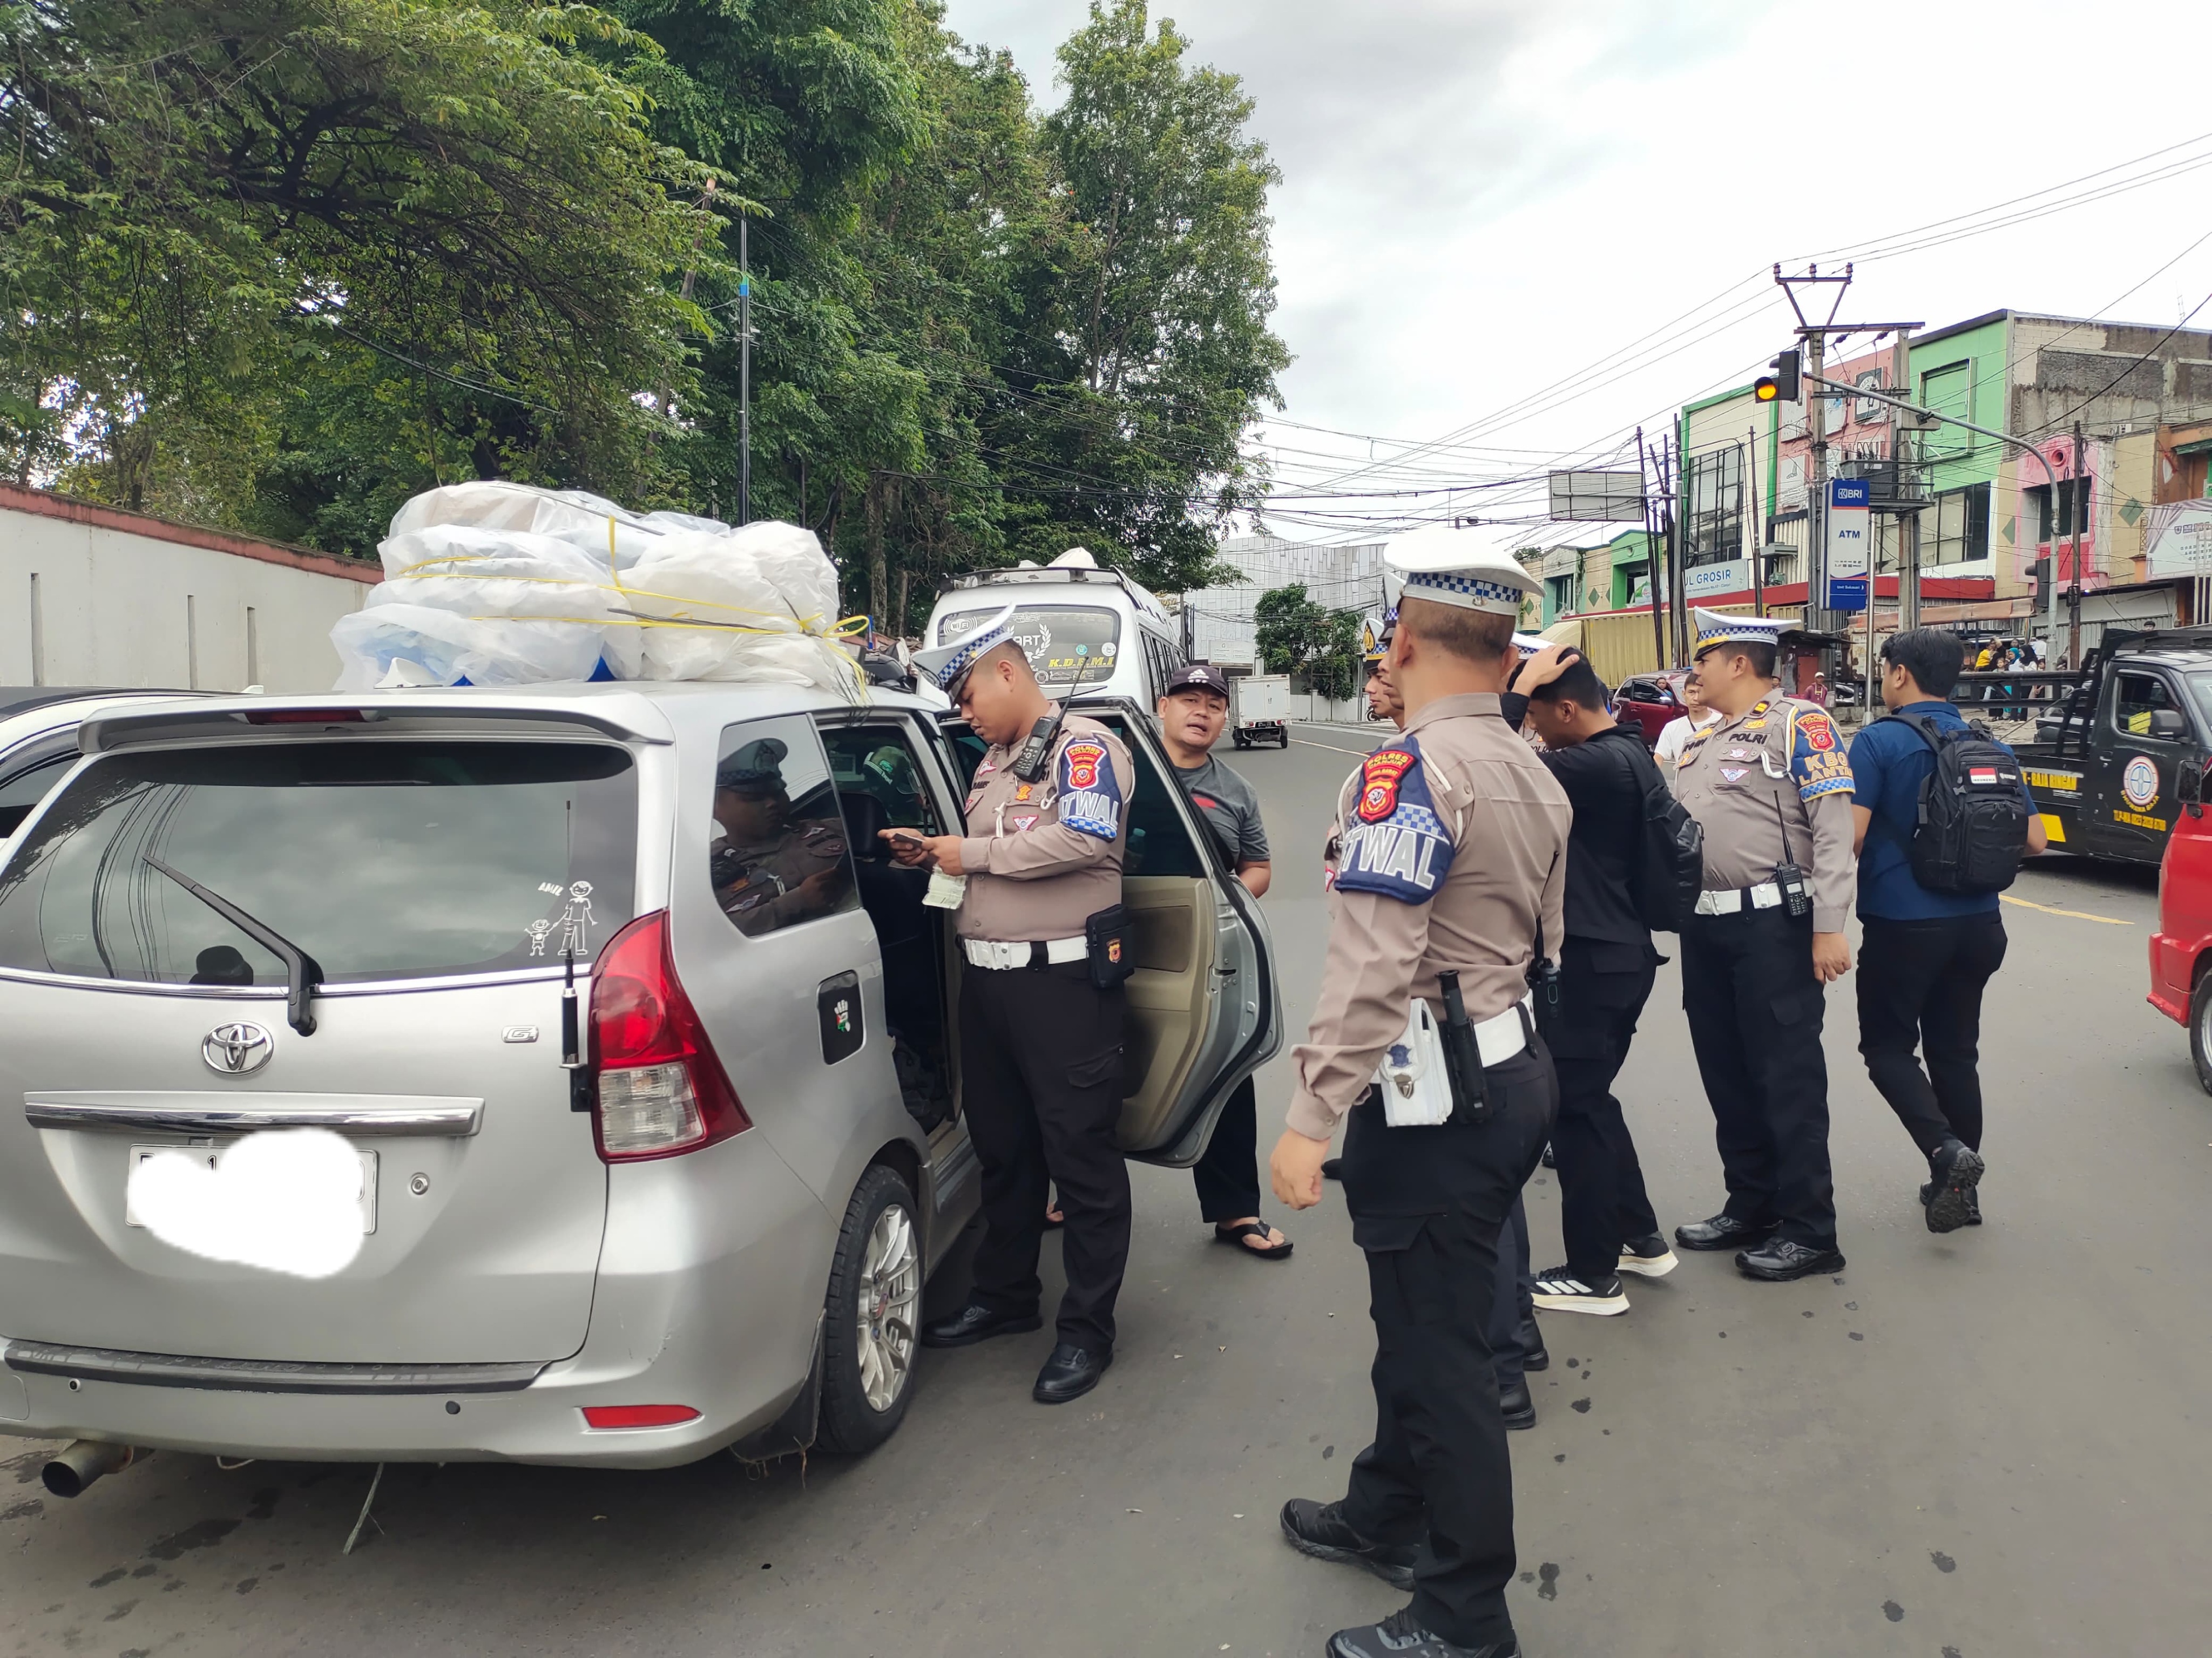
<point x="637" y="1416"/>
<point x="658" y="1089"/>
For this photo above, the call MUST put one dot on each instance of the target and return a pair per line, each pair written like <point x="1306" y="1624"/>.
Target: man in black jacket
<point x="1607" y="965"/>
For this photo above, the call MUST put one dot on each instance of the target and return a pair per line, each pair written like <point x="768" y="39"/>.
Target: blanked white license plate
<point x="206" y="1153"/>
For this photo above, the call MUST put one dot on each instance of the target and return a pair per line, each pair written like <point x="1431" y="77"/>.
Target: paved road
<point x="1990" y="1445"/>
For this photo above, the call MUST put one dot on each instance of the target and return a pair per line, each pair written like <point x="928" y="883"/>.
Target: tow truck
<point x="2119" y="748"/>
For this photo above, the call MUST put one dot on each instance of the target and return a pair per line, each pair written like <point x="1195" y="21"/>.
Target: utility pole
<point x="1754" y="535"/>
<point x="1671" y="469"/>
<point x="1817" y="617"/>
<point x="1659" y="659"/>
<point x="744" y="375"/>
<point x="2080" y="505"/>
<point x="1902" y="440"/>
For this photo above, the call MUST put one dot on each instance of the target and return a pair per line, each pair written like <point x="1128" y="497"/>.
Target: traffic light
<point x="1781" y="385"/>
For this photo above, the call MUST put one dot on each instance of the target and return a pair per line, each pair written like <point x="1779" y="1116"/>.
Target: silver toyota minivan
<point x="659" y="1144"/>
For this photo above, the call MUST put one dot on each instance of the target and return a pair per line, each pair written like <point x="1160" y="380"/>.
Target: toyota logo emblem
<point x="237" y="1049"/>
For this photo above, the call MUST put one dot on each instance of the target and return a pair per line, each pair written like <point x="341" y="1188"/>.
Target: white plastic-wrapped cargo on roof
<point x="504" y="584"/>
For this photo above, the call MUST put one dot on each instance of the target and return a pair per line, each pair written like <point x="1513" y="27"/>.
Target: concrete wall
<point x="91" y="596"/>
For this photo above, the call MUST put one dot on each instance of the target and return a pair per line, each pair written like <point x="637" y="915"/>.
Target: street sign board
<point x="1850" y="542"/>
<point x="1604" y="497"/>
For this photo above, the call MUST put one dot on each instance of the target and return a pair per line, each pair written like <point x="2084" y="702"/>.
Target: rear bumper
<point x="708" y="1294"/>
<point x="2172" y="976"/>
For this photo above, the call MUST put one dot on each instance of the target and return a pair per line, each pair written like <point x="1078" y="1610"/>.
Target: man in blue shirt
<point x="1925" y="955"/>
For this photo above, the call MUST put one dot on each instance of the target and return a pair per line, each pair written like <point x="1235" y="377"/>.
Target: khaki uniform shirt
<point x="1042" y="857"/>
<point x="1452" y="854"/>
<point x="759" y="887"/>
<point x="1773" y="785"/>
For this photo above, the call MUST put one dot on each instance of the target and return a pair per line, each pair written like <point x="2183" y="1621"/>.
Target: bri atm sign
<point x="1850" y="542"/>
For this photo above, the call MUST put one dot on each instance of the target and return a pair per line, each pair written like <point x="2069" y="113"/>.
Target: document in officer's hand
<point x="1416" y="1086"/>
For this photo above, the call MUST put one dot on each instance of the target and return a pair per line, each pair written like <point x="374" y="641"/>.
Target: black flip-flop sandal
<point x="1253" y="1228"/>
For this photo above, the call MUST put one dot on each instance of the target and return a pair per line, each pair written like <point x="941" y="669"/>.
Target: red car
<point x="1650" y="702"/>
<point x="2181" y="948"/>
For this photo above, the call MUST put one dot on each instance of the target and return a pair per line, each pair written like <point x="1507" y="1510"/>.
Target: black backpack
<point x="1670" y="855"/>
<point x="1972" y="830"/>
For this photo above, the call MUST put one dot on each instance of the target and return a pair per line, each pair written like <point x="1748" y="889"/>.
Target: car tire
<point x="2200" y="1030"/>
<point x="871" y="1329"/>
<point x="1284" y="741"/>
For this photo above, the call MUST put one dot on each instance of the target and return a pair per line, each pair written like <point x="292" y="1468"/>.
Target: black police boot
<point x="972" y="1324"/>
<point x="1319" y="1529"/>
<point x="1070" y="1372"/>
<point x="1723" y="1231"/>
<point x="1533" y="1354"/>
<point x="1517" y="1406"/>
<point x="1958" y="1171"/>
<point x="1401" y="1636"/>
<point x="1779" y="1259"/>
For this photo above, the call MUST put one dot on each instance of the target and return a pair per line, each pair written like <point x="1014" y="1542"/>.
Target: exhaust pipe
<point x="68" y="1474"/>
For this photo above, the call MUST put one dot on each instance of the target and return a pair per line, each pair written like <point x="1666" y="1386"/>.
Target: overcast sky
<point x="1481" y="198"/>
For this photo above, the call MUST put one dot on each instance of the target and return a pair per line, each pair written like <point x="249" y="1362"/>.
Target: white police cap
<point x="948" y="665"/>
<point x="1447" y="566"/>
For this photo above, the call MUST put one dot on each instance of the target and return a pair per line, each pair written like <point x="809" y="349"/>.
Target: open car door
<point x="1204" y="1011"/>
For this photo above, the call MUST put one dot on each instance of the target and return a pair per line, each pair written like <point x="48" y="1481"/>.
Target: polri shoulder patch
<point x="1396" y="847"/>
<point x="1090" y="797"/>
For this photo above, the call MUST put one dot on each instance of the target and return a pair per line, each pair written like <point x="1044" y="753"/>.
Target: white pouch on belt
<point x="1416" y="1087"/>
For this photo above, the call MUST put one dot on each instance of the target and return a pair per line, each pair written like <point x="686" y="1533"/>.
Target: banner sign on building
<point x="1703" y="584"/>
<point x="1604" y="497"/>
<point x="1851" y="542"/>
<point x="2178" y="539"/>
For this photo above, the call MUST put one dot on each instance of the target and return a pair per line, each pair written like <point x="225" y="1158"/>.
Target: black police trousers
<point x="1427" y="1207"/>
<point x="1755" y="1009"/>
<point x="1603" y="1203"/>
<point x="1040" y="1069"/>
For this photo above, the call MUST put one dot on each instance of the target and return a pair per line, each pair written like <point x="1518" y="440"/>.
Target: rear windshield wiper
<point x="302" y="972"/>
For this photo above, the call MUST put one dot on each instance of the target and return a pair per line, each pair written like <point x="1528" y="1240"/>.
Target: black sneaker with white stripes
<point x="1648" y="1257"/>
<point x="1559" y="1290"/>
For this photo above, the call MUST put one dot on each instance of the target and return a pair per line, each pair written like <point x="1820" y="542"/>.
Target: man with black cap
<point x="1453" y="863"/>
<point x="768" y="873"/>
<point x="1041" y="1007"/>
<point x="1192" y="712"/>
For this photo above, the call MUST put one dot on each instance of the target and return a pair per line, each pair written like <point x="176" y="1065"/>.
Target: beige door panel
<point x="1172" y="920"/>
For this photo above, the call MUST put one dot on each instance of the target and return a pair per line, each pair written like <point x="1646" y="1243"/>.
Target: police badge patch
<point x="1378" y="782"/>
<point x="1079" y="763"/>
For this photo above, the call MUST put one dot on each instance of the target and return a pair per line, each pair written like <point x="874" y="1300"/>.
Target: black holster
<point x="1462" y="1055"/>
<point x="1112" y="943"/>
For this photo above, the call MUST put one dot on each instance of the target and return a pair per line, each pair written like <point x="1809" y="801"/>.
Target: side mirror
<point x="2189" y="782"/>
<point x="2169" y="723"/>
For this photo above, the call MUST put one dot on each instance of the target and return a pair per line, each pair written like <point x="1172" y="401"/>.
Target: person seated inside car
<point x="768" y="872"/>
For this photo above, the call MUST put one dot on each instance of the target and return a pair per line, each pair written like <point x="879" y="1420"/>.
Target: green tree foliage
<point x="276" y="264"/>
<point x="1296" y="635"/>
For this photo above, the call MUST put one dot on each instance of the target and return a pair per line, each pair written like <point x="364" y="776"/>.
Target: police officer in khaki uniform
<point x="1772" y="787"/>
<point x="1454" y="858"/>
<point x="1040" y="1003"/>
<point x="766" y="874"/>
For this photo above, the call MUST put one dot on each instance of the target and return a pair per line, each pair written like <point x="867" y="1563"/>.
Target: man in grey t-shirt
<point x="1192" y="713"/>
